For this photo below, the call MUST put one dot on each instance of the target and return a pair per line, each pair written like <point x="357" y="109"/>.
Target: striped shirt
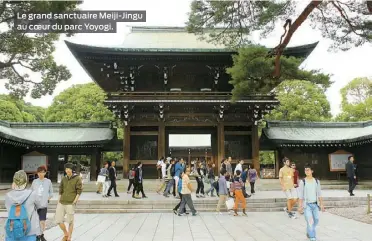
<point x="237" y="184"/>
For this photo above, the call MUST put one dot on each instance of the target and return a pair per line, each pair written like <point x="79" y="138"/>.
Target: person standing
<point x="286" y="178"/>
<point x="229" y="166"/>
<point x="252" y="178"/>
<point x="44" y="189"/>
<point x="106" y="184"/>
<point x="186" y="195"/>
<point x="211" y="179"/>
<point x="239" y="167"/>
<point x="138" y="180"/>
<point x="70" y="190"/>
<point x="112" y="177"/>
<point x="350" y="172"/>
<point x="20" y="196"/>
<point x="199" y="180"/>
<point x="310" y="202"/>
<point x="164" y="175"/>
<point x="175" y="209"/>
<point x="222" y="190"/>
<point x="131" y="175"/>
<point x="158" y="167"/>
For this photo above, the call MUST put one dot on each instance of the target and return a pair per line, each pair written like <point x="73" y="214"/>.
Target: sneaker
<point x="182" y="214"/>
<point x="195" y="214"/>
<point x="197" y="195"/>
<point x="244" y="214"/>
<point x="175" y="212"/>
<point x="42" y="238"/>
<point x="187" y="213"/>
<point x="293" y="216"/>
<point x="128" y="192"/>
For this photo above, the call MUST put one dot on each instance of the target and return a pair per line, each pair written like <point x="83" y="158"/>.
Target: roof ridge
<point x="101" y="124"/>
<point x="308" y="124"/>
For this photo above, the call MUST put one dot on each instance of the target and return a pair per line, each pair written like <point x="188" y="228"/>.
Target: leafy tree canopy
<point x="231" y="22"/>
<point x="79" y="103"/>
<point x="252" y="72"/>
<point x="300" y="101"/>
<point x="24" y="54"/>
<point x="9" y="112"/>
<point x="28" y="112"/>
<point x="356" y="102"/>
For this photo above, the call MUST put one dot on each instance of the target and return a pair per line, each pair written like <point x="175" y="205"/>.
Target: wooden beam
<point x="161" y="140"/>
<point x="145" y="162"/>
<point x="143" y="133"/>
<point x="237" y="133"/>
<point x="255" y="149"/>
<point x="126" y="149"/>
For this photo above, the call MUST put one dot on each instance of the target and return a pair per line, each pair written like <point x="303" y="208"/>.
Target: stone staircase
<point x="203" y="205"/>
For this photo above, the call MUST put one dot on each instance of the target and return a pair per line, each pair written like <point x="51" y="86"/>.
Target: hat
<point x="69" y="165"/>
<point x="19" y="180"/>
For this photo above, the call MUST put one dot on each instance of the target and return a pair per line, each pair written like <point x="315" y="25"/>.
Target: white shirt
<point x="163" y="169"/>
<point x="238" y="167"/>
<point x="159" y="162"/>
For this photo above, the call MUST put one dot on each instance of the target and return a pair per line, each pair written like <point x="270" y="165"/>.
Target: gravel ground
<point x="49" y="224"/>
<point x="355" y="213"/>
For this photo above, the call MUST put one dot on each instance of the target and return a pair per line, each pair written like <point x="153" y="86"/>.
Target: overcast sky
<point x="344" y="66"/>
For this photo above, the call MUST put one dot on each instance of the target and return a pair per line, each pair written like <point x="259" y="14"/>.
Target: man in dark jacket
<point x="112" y="177"/>
<point x="350" y="171"/>
<point x="138" y="181"/>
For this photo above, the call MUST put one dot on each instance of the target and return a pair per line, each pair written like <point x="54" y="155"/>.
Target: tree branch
<point x="292" y="29"/>
<point x="346" y="18"/>
<point x="22" y="78"/>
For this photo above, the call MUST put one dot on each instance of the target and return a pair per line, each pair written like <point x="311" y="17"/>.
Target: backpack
<point x="179" y="188"/>
<point x="18" y="224"/>
<point x="304" y="181"/>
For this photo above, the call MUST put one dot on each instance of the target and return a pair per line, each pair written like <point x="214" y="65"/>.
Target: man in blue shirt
<point x="178" y="171"/>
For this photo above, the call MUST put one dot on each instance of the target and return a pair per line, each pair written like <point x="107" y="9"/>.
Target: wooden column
<point x="95" y="165"/>
<point x="220" y="144"/>
<point x="53" y="167"/>
<point x="126" y="149"/>
<point x="161" y="141"/>
<point x="255" y="148"/>
<point x="277" y="162"/>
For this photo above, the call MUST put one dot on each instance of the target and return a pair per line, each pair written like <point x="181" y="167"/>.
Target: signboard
<point x="33" y="160"/>
<point x="338" y="160"/>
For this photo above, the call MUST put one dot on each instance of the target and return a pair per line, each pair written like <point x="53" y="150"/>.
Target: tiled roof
<point x="295" y="132"/>
<point x="56" y="134"/>
<point x="172" y="39"/>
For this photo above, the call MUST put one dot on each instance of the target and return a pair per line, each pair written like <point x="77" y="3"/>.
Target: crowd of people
<point x="27" y="208"/>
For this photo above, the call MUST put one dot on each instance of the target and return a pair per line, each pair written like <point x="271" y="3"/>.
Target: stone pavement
<point x="209" y="226"/>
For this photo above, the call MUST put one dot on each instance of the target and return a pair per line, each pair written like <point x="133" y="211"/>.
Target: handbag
<point x="230" y="203"/>
<point x="101" y="178"/>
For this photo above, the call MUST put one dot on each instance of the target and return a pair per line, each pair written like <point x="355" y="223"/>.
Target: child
<point x="44" y="190"/>
<point x="236" y="188"/>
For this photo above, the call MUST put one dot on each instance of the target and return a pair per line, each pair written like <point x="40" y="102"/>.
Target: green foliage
<point x="9" y="112"/>
<point x="79" y="103"/>
<point x="300" y="101"/>
<point x="253" y="68"/>
<point x="232" y="22"/>
<point x="356" y="102"/>
<point x="113" y="156"/>
<point x="28" y="112"/>
<point x="24" y="54"/>
<point x="267" y="157"/>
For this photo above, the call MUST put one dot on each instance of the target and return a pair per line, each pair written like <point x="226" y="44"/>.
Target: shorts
<point x="291" y="193"/>
<point x="64" y="210"/>
<point x="42" y="214"/>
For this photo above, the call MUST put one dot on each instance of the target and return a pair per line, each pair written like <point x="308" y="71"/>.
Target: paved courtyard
<point x="209" y="226"/>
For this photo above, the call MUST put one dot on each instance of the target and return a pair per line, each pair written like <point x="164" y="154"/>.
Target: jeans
<point x="27" y="238"/>
<point x="169" y="186"/>
<point x="179" y="204"/>
<point x="211" y="189"/>
<point x="186" y="199"/>
<point x="131" y="182"/>
<point x="352" y="184"/>
<point x="112" y="186"/>
<point x="200" y="188"/>
<point x="105" y="187"/>
<point x="311" y="214"/>
<point x="252" y="187"/>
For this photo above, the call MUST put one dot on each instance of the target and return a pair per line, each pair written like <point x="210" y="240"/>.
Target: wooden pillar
<point x="277" y="163"/>
<point x="126" y="149"/>
<point x="53" y="167"/>
<point x="95" y="165"/>
<point x="255" y="148"/>
<point x="220" y="144"/>
<point x="161" y="141"/>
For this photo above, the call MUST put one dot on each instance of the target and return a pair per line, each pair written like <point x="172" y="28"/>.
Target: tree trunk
<point x="292" y="29"/>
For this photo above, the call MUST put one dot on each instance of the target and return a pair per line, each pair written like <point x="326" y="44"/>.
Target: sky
<point x="343" y="66"/>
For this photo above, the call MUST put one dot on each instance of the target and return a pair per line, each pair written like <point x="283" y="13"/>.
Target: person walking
<point x="229" y="166"/>
<point x="222" y="190"/>
<point x="70" y="190"/>
<point x="112" y="177"/>
<point x="25" y="200"/>
<point x="186" y="195"/>
<point x="175" y="209"/>
<point x="106" y="184"/>
<point x="286" y="178"/>
<point x="350" y="172"/>
<point x="239" y="167"/>
<point x="131" y="175"/>
<point x="44" y="189"/>
<point x="311" y="201"/>
<point x="158" y="167"/>
<point x="178" y="171"/>
<point x="164" y="175"/>
<point x="138" y="180"/>
<point x="199" y="180"/>
<point x="170" y="178"/>
<point x="236" y="188"/>
<point x="211" y="179"/>
<point x="252" y="178"/>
